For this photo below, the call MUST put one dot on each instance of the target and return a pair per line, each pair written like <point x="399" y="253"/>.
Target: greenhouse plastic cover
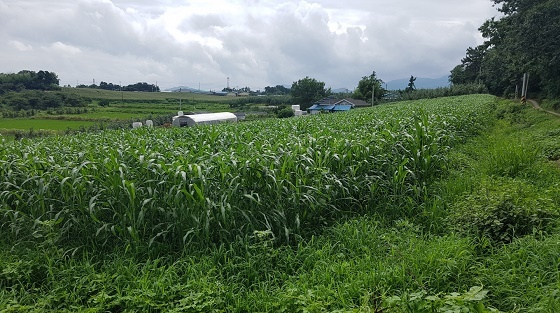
<point x="208" y="117"/>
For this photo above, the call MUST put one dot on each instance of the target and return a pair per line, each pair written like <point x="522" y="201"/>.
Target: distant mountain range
<point x="341" y="90"/>
<point x="420" y="83"/>
<point x="402" y="83"/>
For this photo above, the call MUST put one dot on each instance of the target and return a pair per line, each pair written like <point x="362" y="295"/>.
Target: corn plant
<point x="212" y="184"/>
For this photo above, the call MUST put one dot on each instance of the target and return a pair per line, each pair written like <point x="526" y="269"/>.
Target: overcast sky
<point x="256" y="43"/>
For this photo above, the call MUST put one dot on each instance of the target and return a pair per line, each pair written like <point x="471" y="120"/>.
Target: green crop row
<point x="212" y="184"/>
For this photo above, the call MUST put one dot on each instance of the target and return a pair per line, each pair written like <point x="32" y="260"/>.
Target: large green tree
<point x="365" y="87"/>
<point x="524" y="39"/>
<point x="276" y="90"/>
<point x="470" y="69"/>
<point x="141" y="86"/>
<point x="308" y="90"/>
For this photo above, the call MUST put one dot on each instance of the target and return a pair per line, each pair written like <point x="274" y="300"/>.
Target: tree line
<point x="524" y="40"/>
<point x="28" y="80"/>
<point x="30" y="90"/>
<point x="277" y="90"/>
<point x="39" y="100"/>
<point x="140" y="86"/>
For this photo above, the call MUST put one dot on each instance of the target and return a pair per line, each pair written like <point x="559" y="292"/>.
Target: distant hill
<point x="186" y="89"/>
<point x="420" y="83"/>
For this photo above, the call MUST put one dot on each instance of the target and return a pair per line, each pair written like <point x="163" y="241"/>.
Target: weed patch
<point x="502" y="210"/>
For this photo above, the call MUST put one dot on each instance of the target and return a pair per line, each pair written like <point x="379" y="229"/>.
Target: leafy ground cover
<point x="424" y="206"/>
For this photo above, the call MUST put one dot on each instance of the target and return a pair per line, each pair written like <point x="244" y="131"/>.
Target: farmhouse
<point x="331" y="104"/>
<point x="355" y="103"/>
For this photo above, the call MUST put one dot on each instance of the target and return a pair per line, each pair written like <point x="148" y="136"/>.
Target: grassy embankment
<point x="391" y="209"/>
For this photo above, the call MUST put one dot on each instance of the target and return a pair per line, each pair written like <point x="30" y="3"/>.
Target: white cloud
<point x="20" y="45"/>
<point x="59" y="47"/>
<point x="254" y="42"/>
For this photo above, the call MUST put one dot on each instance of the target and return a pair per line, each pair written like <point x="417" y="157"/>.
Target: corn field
<point x="213" y="184"/>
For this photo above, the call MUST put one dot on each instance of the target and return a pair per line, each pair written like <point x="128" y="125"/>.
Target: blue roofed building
<point x="332" y="105"/>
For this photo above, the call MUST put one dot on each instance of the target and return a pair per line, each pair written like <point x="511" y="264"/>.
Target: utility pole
<point x="372" y="92"/>
<point x="524" y="87"/>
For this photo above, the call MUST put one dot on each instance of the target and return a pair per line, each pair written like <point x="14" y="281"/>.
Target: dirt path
<point x="538" y="107"/>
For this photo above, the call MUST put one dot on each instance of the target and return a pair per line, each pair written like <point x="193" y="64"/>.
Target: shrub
<point x="503" y="211"/>
<point x="285" y="112"/>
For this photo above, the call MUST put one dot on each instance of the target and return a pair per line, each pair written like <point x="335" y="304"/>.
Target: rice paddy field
<point x="441" y="205"/>
<point x="120" y="106"/>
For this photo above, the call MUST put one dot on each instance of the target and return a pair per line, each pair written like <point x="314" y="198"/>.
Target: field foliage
<point x="445" y="205"/>
<point x="207" y="185"/>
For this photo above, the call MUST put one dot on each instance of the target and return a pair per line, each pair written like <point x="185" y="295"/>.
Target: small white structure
<point x="149" y="123"/>
<point x="207" y="118"/>
<point x="180" y="113"/>
<point x="298" y="113"/>
<point x="136" y="124"/>
<point x="296" y="107"/>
